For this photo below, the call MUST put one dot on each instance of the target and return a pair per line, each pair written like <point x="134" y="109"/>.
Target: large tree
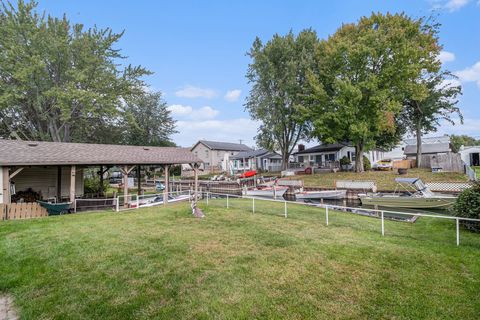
<point x="362" y="75"/>
<point x="148" y="121"/>
<point x="458" y="141"/>
<point x="421" y="116"/>
<point x="59" y="80"/>
<point x="278" y="77"/>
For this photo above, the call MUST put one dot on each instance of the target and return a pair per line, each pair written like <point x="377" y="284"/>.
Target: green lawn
<point x="385" y="179"/>
<point x="234" y="264"/>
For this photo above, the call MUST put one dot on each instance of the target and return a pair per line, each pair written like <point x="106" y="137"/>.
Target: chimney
<point x="301" y="147"/>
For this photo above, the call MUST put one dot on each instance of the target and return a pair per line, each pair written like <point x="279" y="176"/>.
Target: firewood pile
<point x="26" y="196"/>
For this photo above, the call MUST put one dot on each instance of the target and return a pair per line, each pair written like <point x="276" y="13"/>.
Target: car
<point x="384" y="165"/>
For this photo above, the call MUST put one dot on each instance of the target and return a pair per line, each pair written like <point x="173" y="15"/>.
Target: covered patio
<point x="54" y="170"/>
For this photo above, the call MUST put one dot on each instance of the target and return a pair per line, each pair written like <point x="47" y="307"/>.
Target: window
<point x="318" y="159"/>
<point x="330" y="157"/>
<point x="206" y="153"/>
<point x="300" y="158"/>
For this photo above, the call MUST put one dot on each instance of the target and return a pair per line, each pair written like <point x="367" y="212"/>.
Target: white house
<point x="470" y="155"/>
<point x="260" y="159"/>
<point x="328" y="155"/>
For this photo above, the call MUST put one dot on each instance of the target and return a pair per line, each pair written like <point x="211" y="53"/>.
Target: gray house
<point x="260" y="159"/>
<point x="428" y="149"/>
<point x="215" y="154"/>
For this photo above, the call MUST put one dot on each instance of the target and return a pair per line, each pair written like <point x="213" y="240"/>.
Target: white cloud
<point x="180" y="110"/>
<point x="470" y="74"/>
<point x="195" y="92"/>
<point x="187" y="112"/>
<point x="469" y="127"/>
<point x="454" y="5"/>
<point x="233" y="95"/>
<point x="446" y="56"/>
<point x="231" y="130"/>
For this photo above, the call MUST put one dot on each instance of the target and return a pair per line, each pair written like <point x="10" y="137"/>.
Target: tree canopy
<point x="62" y="82"/>
<point x="277" y="73"/>
<point x="463" y="140"/>
<point x="362" y="75"/>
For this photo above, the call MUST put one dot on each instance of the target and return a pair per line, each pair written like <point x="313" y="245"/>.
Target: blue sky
<point x="196" y="50"/>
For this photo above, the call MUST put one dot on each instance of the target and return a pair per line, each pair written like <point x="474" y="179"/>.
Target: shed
<point x="54" y="169"/>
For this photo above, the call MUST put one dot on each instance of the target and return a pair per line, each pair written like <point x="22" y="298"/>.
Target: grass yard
<point x="234" y="264"/>
<point x="385" y="179"/>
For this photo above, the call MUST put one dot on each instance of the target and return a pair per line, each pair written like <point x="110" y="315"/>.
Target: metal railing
<point x="338" y="208"/>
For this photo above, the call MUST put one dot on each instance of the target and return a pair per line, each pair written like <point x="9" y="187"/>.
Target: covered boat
<point x="324" y="194"/>
<point x="415" y="195"/>
<point x="266" y="191"/>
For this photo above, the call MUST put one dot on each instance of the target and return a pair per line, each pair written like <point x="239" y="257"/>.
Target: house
<point x="260" y="159"/>
<point x="54" y="170"/>
<point x="398" y="152"/>
<point x="215" y="154"/>
<point x="470" y="155"/>
<point x="328" y="155"/>
<point x="428" y="149"/>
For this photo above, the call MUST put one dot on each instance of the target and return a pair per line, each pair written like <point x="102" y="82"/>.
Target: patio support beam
<point x="167" y="182"/>
<point x="125" y="170"/>
<point x="100" y="187"/>
<point x="16" y="172"/>
<point x="6" y="185"/>
<point x="139" y="185"/>
<point x="72" y="183"/>
<point x="59" y="184"/>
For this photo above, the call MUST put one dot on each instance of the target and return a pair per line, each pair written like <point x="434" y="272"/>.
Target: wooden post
<point x="125" y="185"/>
<point x="139" y="185"/>
<point x="59" y="184"/>
<point x="195" y="172"/>
<point x="166" y="190"/>
<point x="101" y="181"/>
<point x="72" y="183"/>
<point x="6" y="185"/>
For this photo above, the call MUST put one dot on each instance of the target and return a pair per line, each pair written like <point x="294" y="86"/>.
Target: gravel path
<point x="7" y="309"/>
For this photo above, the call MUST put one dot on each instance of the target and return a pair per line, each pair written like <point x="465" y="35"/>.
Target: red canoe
<point x="248" y="174"/>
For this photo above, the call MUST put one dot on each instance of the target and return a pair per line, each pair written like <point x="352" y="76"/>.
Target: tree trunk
<point x="285" y="157"/>
<point x="419" y="144"/>
<point x="359" y="158"/>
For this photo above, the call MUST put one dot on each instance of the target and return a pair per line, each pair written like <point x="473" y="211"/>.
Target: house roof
<point x="428" y="148"/>
<point x="25" y="153"/>
<point x="229" y="146"/>
<point x="254" y="154"/>
<point x="428" y="140"/>
<point x="324" y="148"/>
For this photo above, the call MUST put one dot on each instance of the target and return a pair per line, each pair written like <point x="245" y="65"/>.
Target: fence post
<point x="189" y="195"/>
<point x="285" y="209"/>
<point x="326" y="214"/>
<point x="117" y="204"/>
<point x="75" y="205"/>
<point x="227" y="201"/>
<point x="458" y="232"/>
<point x="253" y="205"/>
<point x="138" y="201"/>
<point x="207" y="198"/>
<point x="383" y="224"/>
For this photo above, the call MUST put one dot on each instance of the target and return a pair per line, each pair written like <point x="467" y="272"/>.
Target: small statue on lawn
<point x="196" y="211"/>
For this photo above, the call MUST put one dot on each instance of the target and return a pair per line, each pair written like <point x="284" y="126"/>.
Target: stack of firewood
<point x="26" y="196"/>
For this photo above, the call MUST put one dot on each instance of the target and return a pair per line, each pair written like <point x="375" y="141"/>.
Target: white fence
<point x="472" y="175"/>
<point x="381" y="213"/>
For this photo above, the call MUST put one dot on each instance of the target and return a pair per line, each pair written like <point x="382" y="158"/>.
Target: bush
<point x="345" y="161"/>
<point x="92" y="185"/>
<point x="468" y="206"/>
<point x="366" y="164"/>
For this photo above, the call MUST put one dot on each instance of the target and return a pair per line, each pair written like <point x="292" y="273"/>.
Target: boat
<point x="324" y="194"/>
<point x="248" y="174"/>
<point x="416" y="196"/>
<point x="266" y="191"/>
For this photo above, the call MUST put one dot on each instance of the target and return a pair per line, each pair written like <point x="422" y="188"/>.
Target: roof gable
<point x="228" y="146"/>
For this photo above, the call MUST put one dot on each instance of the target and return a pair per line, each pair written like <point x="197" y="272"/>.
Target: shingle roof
<point x="428" y="148"/>
<point x="216" y="145"/>
<point x="324" y="148"/>
<point x="17" y="153"/>
<point x="253" y="154"/>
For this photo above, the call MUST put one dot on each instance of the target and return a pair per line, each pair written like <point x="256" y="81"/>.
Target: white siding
<point x="44" y="181"/>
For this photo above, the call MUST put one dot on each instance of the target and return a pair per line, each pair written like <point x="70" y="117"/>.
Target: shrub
<point x="92" y="185"/>
<point x="468" y="206"/>
<point x="366" y="164"/>
<point x="345" y="161"/>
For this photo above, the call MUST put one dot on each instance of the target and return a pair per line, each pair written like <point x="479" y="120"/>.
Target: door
<point x="475" y="159"/>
